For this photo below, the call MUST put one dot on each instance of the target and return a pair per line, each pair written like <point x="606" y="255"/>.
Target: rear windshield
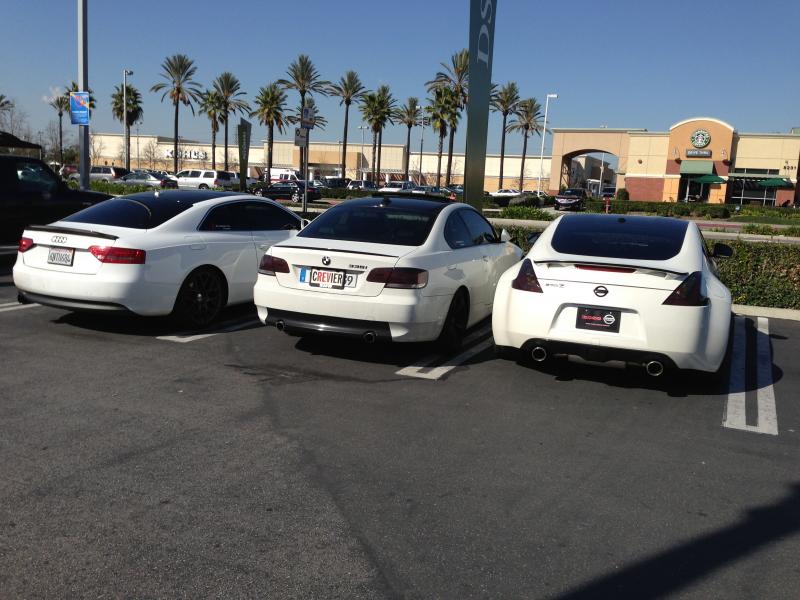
<point x="223" y="175"/>
<point x="642" y="238"/>
<point x="375" y="224"/>
<point x="126" y="212"/>
<point x="572" y="192"/>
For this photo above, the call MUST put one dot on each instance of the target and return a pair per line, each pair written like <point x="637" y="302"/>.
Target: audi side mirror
<point x="505" y="236"/>
<point x="722" y="251"/>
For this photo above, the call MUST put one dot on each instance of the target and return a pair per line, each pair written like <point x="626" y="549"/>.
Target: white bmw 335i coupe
<point x="393" y="269"/>
<point x="187" y="253"/>
<point x="609" y="287"/>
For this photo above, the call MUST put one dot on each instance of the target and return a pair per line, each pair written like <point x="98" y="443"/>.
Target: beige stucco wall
<point x="647" y="154"/>
<point x="768" y="152"/>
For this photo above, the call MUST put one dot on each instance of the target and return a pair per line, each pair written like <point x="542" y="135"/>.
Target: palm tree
<point x="5" y="103"/>
<point x="454" y="76"/>
<point x="61" y="105"/>
<point x="527" y="119"/>
<point x="211" y="105"/>
<point x="320" y="123"/>
<point x="228" y="87"/>
<point x="270" y="104"/>
<point x="439" y="108"/>
<point x="505" y="102"/>
<point x="348" y="88"/>
<point x="386" y="110"/>
<point x="178" y="70"/>
<point x="370" y="114"/>
<point x="133" y="104"/>
<point x="408" y="115"/>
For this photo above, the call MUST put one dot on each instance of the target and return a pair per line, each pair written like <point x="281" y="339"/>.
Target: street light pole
<point x="83" y="85"/>
<point x="421" y="140"/>
<point x="125" y="73"/>
<point x="541" y="150"/>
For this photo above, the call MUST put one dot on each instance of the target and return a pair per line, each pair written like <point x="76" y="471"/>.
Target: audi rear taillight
<point x="121" y="256"/>
<point x="272" y="264"/>
<point x="399" y="277"/>
<point x="689" y="292"/>
<point x="526" y="279"/>
<point x="25" y="244"/>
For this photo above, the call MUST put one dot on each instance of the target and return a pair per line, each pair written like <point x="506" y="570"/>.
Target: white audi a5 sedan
<point x="609" y="287"/>
<point x="403" y="269"/>
<point x="187" y="253"/>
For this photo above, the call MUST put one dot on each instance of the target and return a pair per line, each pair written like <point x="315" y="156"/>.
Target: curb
<point x="787" y="314"/>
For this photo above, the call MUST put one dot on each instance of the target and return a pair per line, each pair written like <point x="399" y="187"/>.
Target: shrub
<point x="527" y="213"/>
<point x="664" y="209"/>
<point x="622" y="194"/>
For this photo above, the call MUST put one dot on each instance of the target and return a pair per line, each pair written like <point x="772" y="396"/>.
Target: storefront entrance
<point x="689" y="190"/>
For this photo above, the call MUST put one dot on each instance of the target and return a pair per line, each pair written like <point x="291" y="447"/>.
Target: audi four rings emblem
<point x="326" y="260"/>
<point x="59" y="239"/>
<point x="600" y="291"/>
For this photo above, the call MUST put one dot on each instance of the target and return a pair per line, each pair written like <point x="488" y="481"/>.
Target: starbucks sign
<point x="700" y="138"/>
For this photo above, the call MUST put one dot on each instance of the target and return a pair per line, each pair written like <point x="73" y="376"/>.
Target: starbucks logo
<point x="700" y="138"/>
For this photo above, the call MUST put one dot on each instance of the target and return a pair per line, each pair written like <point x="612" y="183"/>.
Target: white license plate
<point x="61" y="256"/>
<point x="325" y="278"/>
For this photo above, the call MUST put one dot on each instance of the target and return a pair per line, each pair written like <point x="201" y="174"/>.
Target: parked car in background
<point x="636" y="289"/>
<point x="285" y="190"/>
<point x="335" y="182"/>
<point x="505" y="193"/>
<point x="198" y="179"/>
<point x="609" y="191"/>
<point x="189" y="254"/>
<point x="66" y="170"/>
<point x="571" y="199"/>
<point x="103" y="174"/>
<point x="392" y="268"/>
<point x="398" y="186"/>
<point x="283" y="175"/>
<point x="149" y="179"/>
<point x="361" y="184"/>
<point x="31" y="193"/>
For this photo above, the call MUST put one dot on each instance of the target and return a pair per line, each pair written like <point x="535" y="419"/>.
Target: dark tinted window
<point x="479" y="229"/>
<point x="642" y="238"/>
<point x="572" y="192"/>
<point x="35" y="177"/>
<point x="223" y="175"/>
<point x="127" y="212"/>
<point x="227" y="217"/>
<point x="456" y="233"/>
<point x="377" y="224"/>
<point x="261" y="216"/>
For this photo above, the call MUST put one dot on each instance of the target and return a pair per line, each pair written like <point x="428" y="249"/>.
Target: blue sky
<point x="618" y="63"/>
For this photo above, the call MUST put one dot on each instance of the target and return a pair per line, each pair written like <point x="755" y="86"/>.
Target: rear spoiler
<point x="72" y="230"/>
<point x="610" y="264"/>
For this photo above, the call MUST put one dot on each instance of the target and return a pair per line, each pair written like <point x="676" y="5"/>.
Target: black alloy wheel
<point x="201" y="298"/>
<point x="295" y="196"/>
<point x="455" y="324"/>
<point x="258" y="192"/>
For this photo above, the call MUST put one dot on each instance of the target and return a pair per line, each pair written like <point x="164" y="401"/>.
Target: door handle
<point x="264" y="246"/>
<point x="485" y="259"/>
<point x="451" y="267"/>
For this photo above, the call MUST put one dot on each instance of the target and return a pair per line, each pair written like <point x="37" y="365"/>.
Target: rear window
<point x="223" y="175"/>
<point x="638" y="238"/>
<point x="572" y="192"/>
<point x="375" y="224"/>
<point x="127" y="212"/>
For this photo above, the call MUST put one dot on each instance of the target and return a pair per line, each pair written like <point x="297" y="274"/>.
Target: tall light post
<point x="541" y="150"/>
<point x="363" y="128"/>
<point x="83" y="84"/>
<point x="125" y="73"/>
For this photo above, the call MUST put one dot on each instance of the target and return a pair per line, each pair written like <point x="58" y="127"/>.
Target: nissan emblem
<point x="600" y="291"/>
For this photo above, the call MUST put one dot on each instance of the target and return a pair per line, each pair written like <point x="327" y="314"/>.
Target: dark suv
<point x="30" y="193"/>
<point x="571" y="199"/>
<point x="285" y="190"/>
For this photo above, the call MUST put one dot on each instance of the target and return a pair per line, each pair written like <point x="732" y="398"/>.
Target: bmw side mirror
<point x="533" y="236"/>
<point x="722" y="251"/>
<point x="505" y="236"/>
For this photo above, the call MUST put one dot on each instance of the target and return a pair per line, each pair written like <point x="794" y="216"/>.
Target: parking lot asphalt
<point x="137" y="460"/>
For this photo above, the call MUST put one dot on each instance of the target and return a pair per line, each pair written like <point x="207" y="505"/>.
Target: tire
<point x="455" y="324"/>
<point x="202" y="186"/>
<point x="295" y="197"/>
<point x="259" y="192"/>
<point x="104" y="180"/>
<point x="201" y="298"/>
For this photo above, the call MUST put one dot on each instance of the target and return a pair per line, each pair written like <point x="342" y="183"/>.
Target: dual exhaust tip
<point x="653" y="368"/>
<point x="369" y="337"/>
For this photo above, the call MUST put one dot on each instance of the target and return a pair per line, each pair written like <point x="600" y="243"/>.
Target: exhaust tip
<point x="369" y="337"/>
<point x="280" y="325"/>
<point x="539" y="354"/>
<point x="654" y="368"/>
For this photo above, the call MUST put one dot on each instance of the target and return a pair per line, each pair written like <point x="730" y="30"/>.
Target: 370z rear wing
<point x="600" y="265"/>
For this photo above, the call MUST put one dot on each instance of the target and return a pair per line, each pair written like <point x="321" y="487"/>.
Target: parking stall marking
<point x="184" y="338"/>
<point x="426" y="367"/>
<point x="11" y="306"/>
<point x="735" y="410"/>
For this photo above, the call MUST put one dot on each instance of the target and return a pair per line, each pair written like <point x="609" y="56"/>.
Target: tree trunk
<point x="439" y="160"/>
<point x="380" y="145"/>
<point x="226" y="141"/>
<point x="344" y="136"/>
<point x="268" y="180"/>
<point x="408" y="154"/>
<point x="450" y="156"/>
<point x="61" y="137"/>
<point x="374" y="150"/>
<point x="502" y="150"/>
<point x="522" y="165"/>
<point x="175" y="142"/>
<point x="214" y="147"/>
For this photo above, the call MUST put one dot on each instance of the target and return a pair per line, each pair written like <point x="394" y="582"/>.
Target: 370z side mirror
<point x="505" y="236"/>
<point x="722" y="251"/>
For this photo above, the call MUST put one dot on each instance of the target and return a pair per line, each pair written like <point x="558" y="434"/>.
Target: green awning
<point x="709" y="179"/>
<point x="775" y="182"/>
<point x="697" y="167"/>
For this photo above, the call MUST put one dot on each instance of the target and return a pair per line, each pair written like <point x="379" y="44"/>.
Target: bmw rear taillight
<point x="272" y="264"/>
<point x="25" y="244"/>
<point x="399" y="277"/>
<point x="688" y="293"/>
<point x="114" y="255"/>
<point x="526" y="279"/>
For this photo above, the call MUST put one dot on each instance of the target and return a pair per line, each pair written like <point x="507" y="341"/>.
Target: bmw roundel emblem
<point x="326" y="260"/>
<point x="600" y="291"/>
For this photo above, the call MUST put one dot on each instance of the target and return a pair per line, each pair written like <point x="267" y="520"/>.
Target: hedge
<point x="758" y="273"/>
<point x="664" y="209"/>
<point x="526" y="212"/>
<point x="754" y="228"/>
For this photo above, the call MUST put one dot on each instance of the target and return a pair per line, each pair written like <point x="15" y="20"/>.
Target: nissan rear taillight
<point x="689" y="292"/>
<point x="25" y="244"/>
<point x="526" y="279"/>
<point x="114" y="255"/>
<point x="399" y="277"/>
<point x="272" y="264"/>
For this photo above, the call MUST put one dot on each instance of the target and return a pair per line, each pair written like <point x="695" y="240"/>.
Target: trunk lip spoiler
<point x="611" y="264"/>
<point x="72" y="230"/>
<point x="278" y="246"/>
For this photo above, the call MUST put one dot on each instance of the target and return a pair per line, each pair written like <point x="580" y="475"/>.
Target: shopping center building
<point x="699" y="159"/>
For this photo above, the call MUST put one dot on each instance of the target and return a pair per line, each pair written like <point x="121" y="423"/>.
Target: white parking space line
<point x="424" y="368"/>
<point x="735" y="411"/>
<point x="184" y="338"/>
<point x="15" y="306"/>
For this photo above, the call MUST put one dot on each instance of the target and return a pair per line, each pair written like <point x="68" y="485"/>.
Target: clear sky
<point x="620" y="63"/>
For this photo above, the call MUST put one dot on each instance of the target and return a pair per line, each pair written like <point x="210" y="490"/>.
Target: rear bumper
<point x="295" y="323"/>
<point x="598" y="353"/>
<point x="70" y="304"/>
